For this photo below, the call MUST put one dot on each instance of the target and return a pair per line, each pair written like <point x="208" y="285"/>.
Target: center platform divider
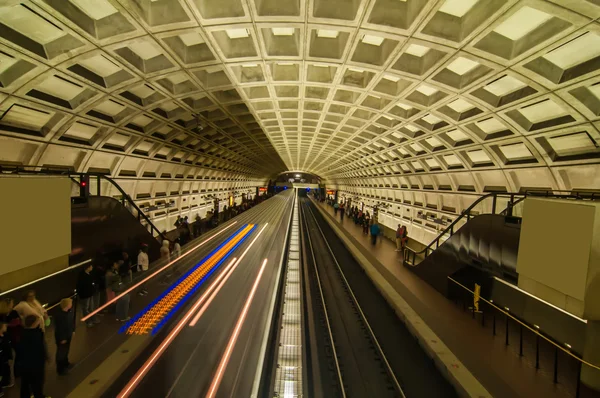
<point x="160" y="310"/>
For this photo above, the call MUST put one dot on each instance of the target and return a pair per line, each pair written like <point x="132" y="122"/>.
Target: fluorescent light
<point x="249" y="65"/>
<point x="417" y="50"/>
<point x="427" y="90"/>
<point x="356" y="70"/>
<point x="282" y="31"/>
<point x="285" y="63"/>
<point x="372" y="40"/>
<point x="328" y="34"/>
<point x="391" y="78"/>
<point x="237" y="33"/>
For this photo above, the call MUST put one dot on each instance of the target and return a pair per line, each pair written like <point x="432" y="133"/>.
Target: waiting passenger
<point x="177" y="248"/>
<point x="399" y="233"/>
<point x="336" y="206"/>
<point x="117" y="286"/>
<point x="375" y="230"/>
<point x="31" y="306"/>
<point x="125" y="267"/>
<point x="86" y="289"/>
<point x="143" y="263"/>
<point x="5" y="358"/>
<point x="366" y="224"/>
<point x="11" y="318"/>
<point x="164" y="250"/>
<point x="34" y="355"/>
<point x="64" y="325"/>
<point x="342" y="211"/>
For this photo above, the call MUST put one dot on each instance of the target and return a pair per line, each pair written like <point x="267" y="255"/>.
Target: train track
<point x="350" y="360"/>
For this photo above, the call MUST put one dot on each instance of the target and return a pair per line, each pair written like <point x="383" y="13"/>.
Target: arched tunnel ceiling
<point x="341" y="88"/>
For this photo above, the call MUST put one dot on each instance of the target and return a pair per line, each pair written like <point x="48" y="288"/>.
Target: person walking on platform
<point x="34" y="356"/>
<point x="336" y="206"/>
<point x="64" y="325"/>
<point x="86" y="289"/>
<point x="375" y="230"/>
<point x="342" y="211"/>
<point x="143" y="262"/>
<point x="366" y="224"/>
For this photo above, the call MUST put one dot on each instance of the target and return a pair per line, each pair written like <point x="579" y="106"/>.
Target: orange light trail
<point x="91" y="314"/>
<point x="214" y="386"/>
<point x="197" y="317"/>
<point x="141" y="373"/>
<point x="157" y="312"/>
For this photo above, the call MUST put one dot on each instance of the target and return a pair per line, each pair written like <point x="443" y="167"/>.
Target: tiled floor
<point x="495" y="365"/>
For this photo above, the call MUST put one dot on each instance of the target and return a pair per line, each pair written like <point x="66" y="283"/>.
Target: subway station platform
<point x="497" y="366"/>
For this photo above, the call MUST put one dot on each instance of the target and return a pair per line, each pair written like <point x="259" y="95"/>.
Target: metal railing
<point x="411" y="256"/>
<point x="501" y="321"/>
<point x="79" y="178"/>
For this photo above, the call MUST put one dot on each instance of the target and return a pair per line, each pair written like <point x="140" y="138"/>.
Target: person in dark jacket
<point x="64" y="324"/>
<point x="11" y="318"/>
<point x="33" y="358"/>
<point x="86" y="289"/>
<point x="5" y="357"/>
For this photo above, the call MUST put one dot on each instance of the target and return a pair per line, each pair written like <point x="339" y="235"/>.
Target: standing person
<point x="374" y="232"/>
<point x="31" y="306"/>
<point x="404" y="237"/>
<point x="336" y="206"/>
<point x="399" y="232"/>
<point x="11" y="318"/>
<point x="108" y="277"/>
<point x="117" y="286"/>
<point x="342" y="211"/>
<point x="143" y="263"/>
<point x="99" y="273"/>
<point x="164" y="250"/>
<point x="34" y="357"/>
<point x="177" y="248"/>
<point x="5" y="358"/>
<point x="86" y="289"/>
<point x="125" y="267"/>
<point x="366" y="224"/>
<point x="64" y="325"/>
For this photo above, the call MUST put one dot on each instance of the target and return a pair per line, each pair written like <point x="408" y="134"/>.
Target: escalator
<point x="102" y="226"/>
<point x="484" y="247"/>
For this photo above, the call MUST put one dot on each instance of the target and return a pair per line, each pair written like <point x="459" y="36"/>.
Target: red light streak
<point x="214" y="386"/>
<point x="85" y="318"/>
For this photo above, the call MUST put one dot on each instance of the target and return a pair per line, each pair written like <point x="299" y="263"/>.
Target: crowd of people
<point x="23" y="349"/>
<point x="369" y="224"/>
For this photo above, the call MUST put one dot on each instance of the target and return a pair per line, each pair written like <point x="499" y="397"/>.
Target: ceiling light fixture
<point x="372" y="40"/>
<point x="237" y="33"/>
<point x="327" y="34"/>
<point x="282" y="31"/>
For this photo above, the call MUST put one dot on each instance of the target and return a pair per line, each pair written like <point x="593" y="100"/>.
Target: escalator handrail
<point x="132" y="203"/>
<point x="467" y="212"/>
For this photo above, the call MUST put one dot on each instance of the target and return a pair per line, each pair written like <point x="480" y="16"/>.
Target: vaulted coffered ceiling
<point x="340" y="88"/>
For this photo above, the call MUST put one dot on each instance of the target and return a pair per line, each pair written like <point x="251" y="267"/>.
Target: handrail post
<point x="494" y="204"/>
<point x="99" y="184"/>
<point x="556" y="365"/>
<point x="537" y="351"/>
<point x="507" y="320"/>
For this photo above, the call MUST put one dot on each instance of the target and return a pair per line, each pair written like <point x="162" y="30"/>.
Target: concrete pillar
<point x="590" y="377"/>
